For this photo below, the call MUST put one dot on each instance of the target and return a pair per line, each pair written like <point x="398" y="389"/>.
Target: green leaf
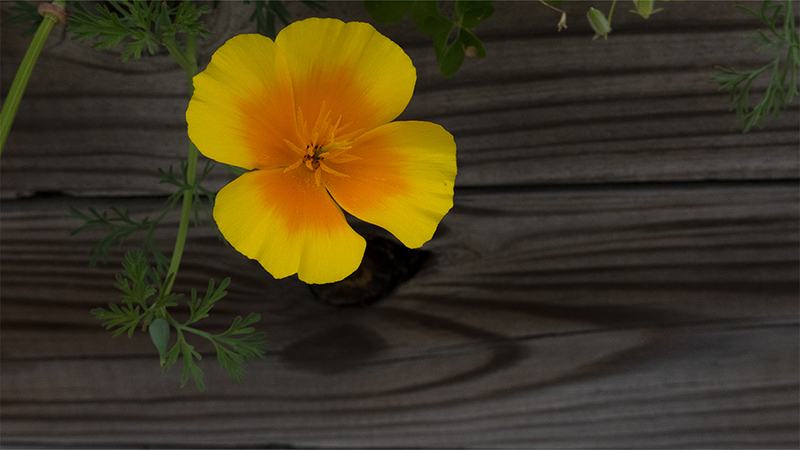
<point x="135" y="266"/>
<point x="428" y="19"/>
<point x="783" y="70"/>
<point x="453" y="56"/>
<point x="199" y="308"/>
<point x="265" y="14"/>
<point x="644" y="8"/>
<point x="190" y="367"/>
<point x="246" y="347"/>
<point x="387" y="11"/>
<point x="236" y="171"/>
<point x="26" y="13"/>
<point x="470" y="13"/>
<point x="148" y="24"/>
<point x="162" y="21"/>
<point x="451" y="39"/>
<point x="186" y="351"/>
<point x="126" y="318"/>
<point x="230" y="360"/>
<point x="159" y="333"/>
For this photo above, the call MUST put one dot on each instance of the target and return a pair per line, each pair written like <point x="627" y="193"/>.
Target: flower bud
<point x="159" y="333"/>
<point x="599" y="23"/>
<point x="645" y="7"/>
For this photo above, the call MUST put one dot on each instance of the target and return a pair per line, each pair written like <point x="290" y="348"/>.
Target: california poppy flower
<point x="310" y="115"/>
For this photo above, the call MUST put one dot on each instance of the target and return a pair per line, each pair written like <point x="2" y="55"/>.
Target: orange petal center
<point x="325" y="141"/>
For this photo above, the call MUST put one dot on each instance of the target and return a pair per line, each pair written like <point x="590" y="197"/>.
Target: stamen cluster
<point x="318" y="149"/>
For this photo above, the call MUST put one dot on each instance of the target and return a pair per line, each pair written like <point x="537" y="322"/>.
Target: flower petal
<point x="242" y="108"/>
<point x="289" y="224"/>
<point x="357" y="72"/>
<point x="403" y="180"/>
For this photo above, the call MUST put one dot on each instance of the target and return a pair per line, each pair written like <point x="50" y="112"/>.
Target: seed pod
<point x="599" y="23"/>
<point x="645" y="7"/>
<point x="159" y="333"/>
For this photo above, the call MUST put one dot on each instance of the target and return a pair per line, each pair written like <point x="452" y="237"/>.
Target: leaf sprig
<point x="198" y="205"/>
<point x="232" y="349"/>
<point x="452" y="39"/>
<point x="119" y="226"/>
<point x="783" y="41"/>
<point x="145" y="288"/>
<point x="148" y="24"/>
<point x="140" y="282"/>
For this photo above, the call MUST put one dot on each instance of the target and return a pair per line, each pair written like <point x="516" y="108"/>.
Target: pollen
<point x="322" y="144"/>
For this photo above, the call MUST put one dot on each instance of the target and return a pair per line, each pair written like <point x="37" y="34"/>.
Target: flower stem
<point x="188" y="61"/>
<point x="186" y="213"/>
<point x="611" y="11"/>
<point x="24" y="74"/>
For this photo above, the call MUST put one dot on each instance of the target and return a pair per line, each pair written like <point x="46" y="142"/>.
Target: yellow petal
<point x="242" y="108"/>
<point x="403" y="180"/>
<point x="289" y="224"/>
<point x="357" y="72"/>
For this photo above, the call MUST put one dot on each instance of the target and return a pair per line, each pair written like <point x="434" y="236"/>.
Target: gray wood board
<point x="572" y="317"/>
<point x="541" y="108"/>
<point x="620" y="268"/>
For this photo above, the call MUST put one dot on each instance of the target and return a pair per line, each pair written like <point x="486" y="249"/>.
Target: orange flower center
<point x="322" y="144"/>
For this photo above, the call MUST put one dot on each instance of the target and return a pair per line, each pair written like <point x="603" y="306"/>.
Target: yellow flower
<point x="312" y="112"/>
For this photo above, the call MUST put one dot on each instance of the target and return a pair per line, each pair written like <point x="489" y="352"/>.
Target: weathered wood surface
<point x="620" y="268"/>
<point x="544" y="108"/>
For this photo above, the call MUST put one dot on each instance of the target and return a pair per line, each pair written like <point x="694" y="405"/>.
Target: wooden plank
<point x="540" y="110"/>
<point x="576" y="296"/>
<point x="620" y="317"/>
<point x="511" y="20"/>
<point x="696" y="386"/>
<point x="556" y="260"/>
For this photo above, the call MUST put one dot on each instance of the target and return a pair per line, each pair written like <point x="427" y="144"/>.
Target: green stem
<point x="186" y="213"/>
<point x="611" y="11"/>
<point x="23" y="75"/>
<point x="181" y="327"/>
<point x="188" y="61"/>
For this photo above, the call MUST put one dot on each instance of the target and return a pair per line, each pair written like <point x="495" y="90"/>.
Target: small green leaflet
<point x="452" y="39"/>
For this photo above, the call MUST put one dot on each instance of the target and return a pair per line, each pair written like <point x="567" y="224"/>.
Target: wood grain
<point x="620" y="268"/>
<point x="598" y="389"/>
<point x="563" y="109"/>
<point x="574" y="317"/>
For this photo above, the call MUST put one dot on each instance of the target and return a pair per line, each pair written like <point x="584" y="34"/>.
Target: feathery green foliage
<point x="781" y="39"/>
<point x="24" y="12"/>
<point x="145" y="300"/>
<point x="147" y="24"/>
<point x="146" y="289"/>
